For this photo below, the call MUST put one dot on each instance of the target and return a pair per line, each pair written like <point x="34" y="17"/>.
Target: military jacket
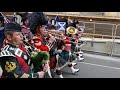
<point x="13" y="62"/>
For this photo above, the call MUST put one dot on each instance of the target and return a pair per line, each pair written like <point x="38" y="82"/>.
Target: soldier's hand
<point x="51" y="39"/>
<point x="59" y="51"/>
<point x="41" y="74"/>
<point x="45" y="67"/>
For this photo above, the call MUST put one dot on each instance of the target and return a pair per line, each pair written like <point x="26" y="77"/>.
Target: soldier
<point x="14" y="58"/>
<point x="36" y="23"/>
<point x="76" y="38"/>
<point x="64" y="54"/>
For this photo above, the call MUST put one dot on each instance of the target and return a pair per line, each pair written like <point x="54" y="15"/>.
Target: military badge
<point x="10" y="66"/>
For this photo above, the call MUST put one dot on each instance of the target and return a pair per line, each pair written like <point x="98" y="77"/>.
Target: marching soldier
<point x="75" y="37"/>
<point x="36" y="23"/>
<point x="64" y="53"/>
<point x="14" y="58"/>
<point x="64" y="50"/>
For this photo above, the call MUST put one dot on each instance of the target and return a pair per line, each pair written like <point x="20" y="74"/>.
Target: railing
<point x="79" y="13"/>
<point x="102" y="37"/>
<point x="99" y="36"/>
<point x="87" y="14"/>
<point x="96" y="28"/>
<point x="92" y="13"/>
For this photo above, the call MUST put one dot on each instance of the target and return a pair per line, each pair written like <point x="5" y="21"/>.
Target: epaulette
<point x="12" y="51"/>
<point x="6" y="54"/>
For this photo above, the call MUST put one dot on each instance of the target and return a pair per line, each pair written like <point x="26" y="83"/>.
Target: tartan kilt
<point x="66" y="56"/>
<point x="73" y="48"/>
<point x="63" y="56"/>
<point x="53" y="54"/>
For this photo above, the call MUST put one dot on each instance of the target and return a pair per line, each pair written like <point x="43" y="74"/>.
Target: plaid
<point x="73" y="47"/>
<point x="64" y="56"/>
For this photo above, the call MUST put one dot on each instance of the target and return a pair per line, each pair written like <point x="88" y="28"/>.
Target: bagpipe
<point x="60" y="36"/>
<point x="70" y="33"/>
<point x="33" y="52"/>
<point x="49" y="35"/>
<point x="71" y="42"/>
<point x="36" y="55"/>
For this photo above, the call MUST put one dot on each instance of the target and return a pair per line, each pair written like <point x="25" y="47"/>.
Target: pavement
<point x="95" y="66"/>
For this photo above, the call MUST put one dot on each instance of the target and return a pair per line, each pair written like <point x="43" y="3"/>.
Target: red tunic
<point x="67" y="44"/>
<point x="40" y="46"/>
<point x="22" y="64"/>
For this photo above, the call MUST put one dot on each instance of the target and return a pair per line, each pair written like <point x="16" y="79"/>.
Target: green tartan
<point x="65" y="55"/>
<point x="53" y="49"/>
<point x="43" y="41"/>
<point x="73" y="47"/>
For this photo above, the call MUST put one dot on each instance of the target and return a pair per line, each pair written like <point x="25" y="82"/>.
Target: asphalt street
<point x="95" y="66"/>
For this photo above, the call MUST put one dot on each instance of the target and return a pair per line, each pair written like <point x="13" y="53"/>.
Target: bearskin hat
<point x="74" y="23"/>
<point x="51" y="27"/>
<point x="36" y="19"/>
<point x="24" y="16"/>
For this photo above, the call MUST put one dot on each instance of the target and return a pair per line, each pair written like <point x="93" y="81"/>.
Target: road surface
<point x="95" y="66"/>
